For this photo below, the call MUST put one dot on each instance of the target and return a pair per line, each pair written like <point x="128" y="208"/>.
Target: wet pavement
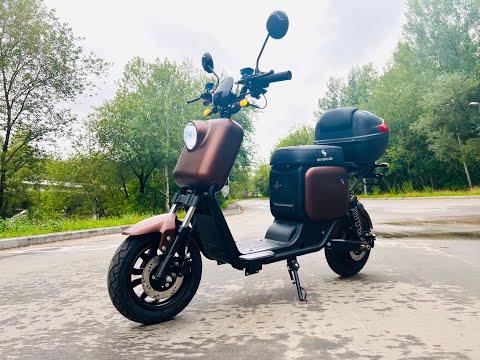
<point x="417" y="298"/>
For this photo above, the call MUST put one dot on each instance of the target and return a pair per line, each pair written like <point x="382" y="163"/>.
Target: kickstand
<point x="293" y="267"/>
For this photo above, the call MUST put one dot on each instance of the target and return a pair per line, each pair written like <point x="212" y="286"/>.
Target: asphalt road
<point x="417" y="298"/>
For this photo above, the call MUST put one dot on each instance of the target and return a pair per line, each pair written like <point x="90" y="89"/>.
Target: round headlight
<point x="190" y="135"/>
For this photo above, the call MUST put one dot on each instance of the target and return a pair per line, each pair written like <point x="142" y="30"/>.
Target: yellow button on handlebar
<point x="207" y="112"/>
<point x="244" y="103"/>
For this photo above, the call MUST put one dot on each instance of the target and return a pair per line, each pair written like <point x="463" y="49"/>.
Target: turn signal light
<point x="383" y="127"/>
<point x="207" y="112"/>
<point x="244" y="103"/>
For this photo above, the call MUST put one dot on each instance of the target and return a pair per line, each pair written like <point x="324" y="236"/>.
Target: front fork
<point x="180" y="237"/>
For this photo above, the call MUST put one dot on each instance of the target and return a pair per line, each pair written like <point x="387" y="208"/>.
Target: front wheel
<point x="137" y="294"/>
<point x="343" y="262"/>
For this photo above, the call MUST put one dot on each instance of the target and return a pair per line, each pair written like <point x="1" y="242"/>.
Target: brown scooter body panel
<point x="326" y="192"/>
<point x="211" y="160"/>
<point x="163" y="224"/>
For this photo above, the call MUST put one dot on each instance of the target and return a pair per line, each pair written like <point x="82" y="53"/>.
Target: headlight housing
<point x="190" y="135"/>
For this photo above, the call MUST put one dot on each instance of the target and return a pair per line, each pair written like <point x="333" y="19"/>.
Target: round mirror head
<point x="277" y="24"/>
<point x="207" y="63"/>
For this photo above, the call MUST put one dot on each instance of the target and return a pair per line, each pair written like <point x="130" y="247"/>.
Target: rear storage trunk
<point x="362" y="135"/>
<point x="308" y="183"/>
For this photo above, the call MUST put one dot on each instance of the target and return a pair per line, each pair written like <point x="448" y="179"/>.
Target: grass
<point x="406" y="194"/>
<point x="25" y="226"/>
<point x="228" y="202"/>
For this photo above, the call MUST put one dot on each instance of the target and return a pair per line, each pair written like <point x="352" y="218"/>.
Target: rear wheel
<point x="138" y="295"/>
<point x="343" y="262"/>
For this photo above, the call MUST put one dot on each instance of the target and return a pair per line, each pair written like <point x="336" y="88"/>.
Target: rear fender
<point x="164" y="225"/>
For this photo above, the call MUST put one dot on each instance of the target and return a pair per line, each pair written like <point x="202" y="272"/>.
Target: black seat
<point x="311" y="155"/>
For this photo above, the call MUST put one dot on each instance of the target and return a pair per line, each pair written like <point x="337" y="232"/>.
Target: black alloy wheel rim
<point x="135" y="280"/>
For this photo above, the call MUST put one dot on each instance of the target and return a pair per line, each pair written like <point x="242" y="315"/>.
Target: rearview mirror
<point x="277" y="24"/>
<point x="207" y="63"/>
<point x="209" y="86"/>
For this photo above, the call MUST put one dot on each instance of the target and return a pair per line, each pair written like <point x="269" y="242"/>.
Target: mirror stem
<point x="218" y="79"/>
<point x="259" y="55"/>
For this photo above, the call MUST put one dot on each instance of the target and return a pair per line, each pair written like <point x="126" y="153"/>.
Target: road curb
<point x="233" y="212"/>
<point x="66" y="235"/>
<point x="428" y="235"/>
<point x="10" y="243"/>
<point x="422" y="197"/>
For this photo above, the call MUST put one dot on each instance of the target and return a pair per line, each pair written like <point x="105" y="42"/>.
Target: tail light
<point x="383" y="127"/>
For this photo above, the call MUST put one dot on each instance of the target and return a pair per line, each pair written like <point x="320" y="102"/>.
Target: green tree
<point x="303" y="135"/>
<point x="444" y="34"/>
<point x="395" y="97"/>
<point x="444" y="40"/>
<point x="354" y="91"/>
<point x="360" y="82"/>
<point x="447" y="121"/>
<point x="41" y="66"/>
<point x="261" y="179"/>
<point x="142" y="127"/>
<point x="334" y="96"/>
<point x="240" y="178"/>
<point x="86" y="184"/>
<point x="424" y="93"/>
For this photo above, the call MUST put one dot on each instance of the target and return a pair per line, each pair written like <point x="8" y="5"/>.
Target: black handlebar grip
<point x="192" y="101"/>
<point x="281" y="76"/>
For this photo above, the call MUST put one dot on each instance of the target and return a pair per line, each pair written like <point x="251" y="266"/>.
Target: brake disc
<point x="167" y="288"/>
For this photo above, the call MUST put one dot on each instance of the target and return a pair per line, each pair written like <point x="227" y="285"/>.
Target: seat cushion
<point x="311" y="155"/>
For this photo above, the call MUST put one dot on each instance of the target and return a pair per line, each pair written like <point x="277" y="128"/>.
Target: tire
<point x="127" y="282"/>
<point x="347" y="263"/>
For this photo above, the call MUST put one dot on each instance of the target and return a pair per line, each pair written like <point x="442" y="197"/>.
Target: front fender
<point x="164" y="225"/>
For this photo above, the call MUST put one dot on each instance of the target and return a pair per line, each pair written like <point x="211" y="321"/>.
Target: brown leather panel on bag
<point x="212" y="159"/>
<point x="326" y="192"/>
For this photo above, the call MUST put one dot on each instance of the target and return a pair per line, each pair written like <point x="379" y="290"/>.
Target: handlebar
<point x="228" y="103"/>
<point x="276" y="77"/>
<point x="194" y="100"/>
<point x="267" y="78"/>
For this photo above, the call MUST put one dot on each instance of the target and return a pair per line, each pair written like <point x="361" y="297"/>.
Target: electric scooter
<point x="156" y="271"/>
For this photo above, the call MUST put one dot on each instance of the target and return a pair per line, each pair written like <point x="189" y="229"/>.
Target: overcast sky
<point x="325" y="38"/>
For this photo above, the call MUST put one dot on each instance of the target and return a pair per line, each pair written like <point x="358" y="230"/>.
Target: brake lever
<point x="194" y="100"/>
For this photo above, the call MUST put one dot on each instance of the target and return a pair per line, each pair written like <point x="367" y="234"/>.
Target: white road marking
<point x="412" y="244"/>
<point x="64" y="249"/>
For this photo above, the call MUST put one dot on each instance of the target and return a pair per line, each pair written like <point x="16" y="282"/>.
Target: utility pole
<point x="470" y="185"/>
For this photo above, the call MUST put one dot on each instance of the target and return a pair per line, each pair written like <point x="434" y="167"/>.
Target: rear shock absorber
<point x="355" y="216"/>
